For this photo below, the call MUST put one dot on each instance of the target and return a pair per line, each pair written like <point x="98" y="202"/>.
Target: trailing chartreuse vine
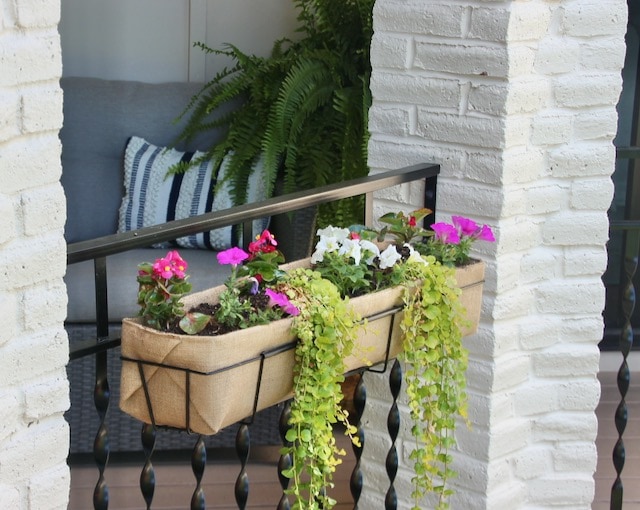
<point x="436" y="363"/>
<point x="326" y="329"/>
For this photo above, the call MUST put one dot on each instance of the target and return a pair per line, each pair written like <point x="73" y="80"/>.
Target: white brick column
<point x="34" y="437"/>
<point x="516" y="100"/>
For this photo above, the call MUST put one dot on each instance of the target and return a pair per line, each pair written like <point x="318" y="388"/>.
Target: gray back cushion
<point x="99" y="117"/>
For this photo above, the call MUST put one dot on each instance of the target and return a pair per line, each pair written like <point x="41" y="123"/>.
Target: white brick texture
<point x="34" y="393"/>
<point x="516" y="101"/>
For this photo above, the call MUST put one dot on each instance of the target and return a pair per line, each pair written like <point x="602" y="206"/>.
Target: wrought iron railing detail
<point x="198" y="464"/>
<point x="101" y="448"/>
<point x="393" y="426"/>
<point x="628" y="302"/>
<point x="148" y="435"/>
<point x="243" y="440"/>
<point x="98" y="249"/>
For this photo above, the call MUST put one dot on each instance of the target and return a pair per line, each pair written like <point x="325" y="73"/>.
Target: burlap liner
<point x="221" y="373"/>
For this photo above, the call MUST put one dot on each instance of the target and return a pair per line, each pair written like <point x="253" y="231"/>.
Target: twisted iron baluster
<point x="243" y="445"/>
<point x="359" y="401"/>
<point x="198" y="464"/>
<point x="624" y="376"/>
<point x="393" y="426"/>
<point x="285" y="459"/>
<point x="101" y="448"/>
<point x="148" y="475"/>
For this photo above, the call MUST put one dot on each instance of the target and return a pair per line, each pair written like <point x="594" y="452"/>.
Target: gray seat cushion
<point x="204" y="272"/>
<point x="99" y="117"/>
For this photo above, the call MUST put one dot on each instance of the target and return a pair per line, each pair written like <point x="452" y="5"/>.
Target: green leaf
<point x="193" y="323"/>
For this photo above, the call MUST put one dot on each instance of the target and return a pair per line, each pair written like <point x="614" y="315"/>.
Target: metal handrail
<point x="100" y="248"/>
<point x="143" y="237"/>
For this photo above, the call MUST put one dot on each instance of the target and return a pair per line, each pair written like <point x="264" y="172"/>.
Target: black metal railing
<point x="631" y="243"/>
<point x="99" y="249"/>
<point x="624" y="310"/>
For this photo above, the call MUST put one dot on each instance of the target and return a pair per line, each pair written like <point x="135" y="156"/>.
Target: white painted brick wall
<point x="522" y="126"/>
<point x="34" y="393"/>
<point x="515" y="100"/>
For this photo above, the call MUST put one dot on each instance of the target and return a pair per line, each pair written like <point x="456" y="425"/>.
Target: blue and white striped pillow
<point x="152" y="197"/>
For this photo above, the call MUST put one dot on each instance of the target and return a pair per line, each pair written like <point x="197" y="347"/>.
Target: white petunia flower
<point x="389" y="257"/>
<point x="414" y="256"/>
<point x="351" y="248"/>
<point x="324" y="245"/>
<point x="371" y="249"/>
<point x="339" y="233"/>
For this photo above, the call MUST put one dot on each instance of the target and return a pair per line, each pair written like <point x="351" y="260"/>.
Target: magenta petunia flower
<point x="446" y="233"/>
<point x="282" y="301"/>
<point x="464" y="225"/>
<point x="486" y="234"/>
<point x="233" y="256"/>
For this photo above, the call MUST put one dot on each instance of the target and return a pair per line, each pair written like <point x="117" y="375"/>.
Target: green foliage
<point x="193" y="323"/>
<point x="435" y="375"/>
<point x="351" y="279"/>
<point x="326" y="330"/>
<point x="303" y="109"/>
<point x="404" y="228"/>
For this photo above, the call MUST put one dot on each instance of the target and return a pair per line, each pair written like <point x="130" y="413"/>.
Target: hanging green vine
<point x="436" y="362"/>
<point x="327" y="331"/>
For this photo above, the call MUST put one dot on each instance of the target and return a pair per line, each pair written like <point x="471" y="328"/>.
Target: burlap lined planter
<point x="225" y="378"/>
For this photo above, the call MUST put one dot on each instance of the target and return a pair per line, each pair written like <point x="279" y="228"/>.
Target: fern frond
<point x="304" y="108"/>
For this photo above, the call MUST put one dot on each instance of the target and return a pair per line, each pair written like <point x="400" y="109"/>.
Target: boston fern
<point x="302" y="111"/>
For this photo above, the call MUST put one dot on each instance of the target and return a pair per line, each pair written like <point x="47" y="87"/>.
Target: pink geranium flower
<point x="446" y="233"/>
<point x="233" y="256"/>
<point x="178" y="264"/>
<point x="162" y="268"/>
<point x="169" y="266"/>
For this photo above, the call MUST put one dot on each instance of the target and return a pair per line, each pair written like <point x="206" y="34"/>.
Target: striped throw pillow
<point x="152" y="197"/>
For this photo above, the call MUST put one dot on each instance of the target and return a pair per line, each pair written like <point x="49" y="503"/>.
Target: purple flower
<point x="255" y="284"/>
<point x="446" y="233"/>
<point x="233" y="256"/>
<point x="464" y="225"/>
<point x="282" y="301"/>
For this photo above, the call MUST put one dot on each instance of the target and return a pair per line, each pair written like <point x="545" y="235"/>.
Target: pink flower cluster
<point x="171" y="265"/>
<point x="461" y="229"/>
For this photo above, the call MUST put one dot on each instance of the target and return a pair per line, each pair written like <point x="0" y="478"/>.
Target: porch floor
<point x="175" y="481"/>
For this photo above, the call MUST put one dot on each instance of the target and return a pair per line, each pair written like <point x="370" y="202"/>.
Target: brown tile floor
<point x="175" y="483"/>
